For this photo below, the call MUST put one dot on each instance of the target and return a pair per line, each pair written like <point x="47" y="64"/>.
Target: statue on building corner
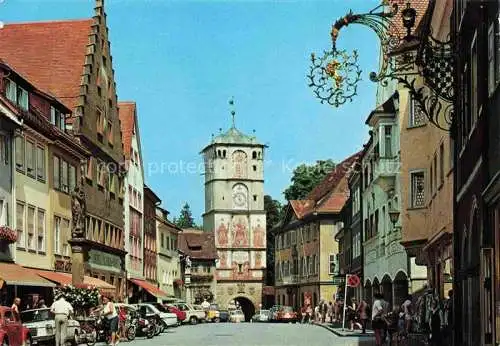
<point x="78" y="207"/>
<point x="188" y="262"/>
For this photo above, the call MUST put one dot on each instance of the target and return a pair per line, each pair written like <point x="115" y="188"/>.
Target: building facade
<point x="133" y="190"/>
<point x="306" y="253"/>
<point x="475" y="30"/>
<point x="386" y="266"/>
<point x="168" y="260"/>
<point x="234" y="209"/>
<point x="350" y="235"/>
<point x="151" y="201"/>
<point x="81" y="74"/>
<point x="198" y="268"/>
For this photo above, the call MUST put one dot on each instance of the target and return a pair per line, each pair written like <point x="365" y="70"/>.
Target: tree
<point x="273" y="214"/>
<point x="185" y="219"/>
<point x="306" y="177"/>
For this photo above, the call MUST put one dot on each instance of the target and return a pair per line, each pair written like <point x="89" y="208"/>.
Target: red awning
<point x="268" y="290"/>
<point x="16" y="275"/>
<point x="66" y="279"/>
<point x="152" y="289"/>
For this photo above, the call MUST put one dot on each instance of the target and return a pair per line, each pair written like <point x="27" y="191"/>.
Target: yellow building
<point x="427" y="183"/>
<point x="305" y="247"/>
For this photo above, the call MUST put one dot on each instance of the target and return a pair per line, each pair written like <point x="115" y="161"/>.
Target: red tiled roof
<point x="126" y="111"/>
<point x="50" y="54"/>
<point x="334" y="203"/>
<point x="200" y="245"/>
<point x="302" y="207"/>
<point x="332" y="179"/>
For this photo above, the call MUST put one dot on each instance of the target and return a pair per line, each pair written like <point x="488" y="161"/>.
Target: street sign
<point x="338" y="281"/>
<point x="353" y="280"/>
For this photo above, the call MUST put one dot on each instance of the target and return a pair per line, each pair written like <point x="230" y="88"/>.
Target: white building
<point x="234" y="205"/>
<point x="133" y="194"/>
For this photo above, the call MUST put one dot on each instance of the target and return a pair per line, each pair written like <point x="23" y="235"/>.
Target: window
<point x="64" y="176"/>
<point x="491" y="59"/>
<point x="4" y="149"/>
<point x="57" y="173"/>
<point x="57" y="118"/>
<point x="22" y="98"/>
<point x="294" y="237"/>
<point x="65" y="235"/>
<point x="21" y="241"/>
<point x="72" y="178"/>
<point x="441" y="164"/>
<point x="40" y="163"/>
<point x="99" y="123"/>
<point x="30" y="158"/>
<point x="57" y="235"/>
<point x="388" y="141"/>
<point x="416" y="116"/>
<point x="331" y="263"/>
<point x="20" y="153"/>
<point x="110" y="133"/>
<point x="254" y="168"/>
<point x="90" y="168"/>
<point x="40" y="230"/>
<point x="375" y="225"/>
<point x="162" y="242"/>
<point x="254" y="155"/>
<point x="417" y="189"/>
<point x="11" y="91"/>
<point x="255" y="198"/>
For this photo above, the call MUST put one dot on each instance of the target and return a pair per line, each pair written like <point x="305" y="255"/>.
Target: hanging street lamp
<point x="406" y="57"/>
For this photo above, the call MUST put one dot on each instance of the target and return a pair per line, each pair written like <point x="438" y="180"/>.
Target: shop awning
<point x="66" y="279"/>
<point x="152" y="289"/>
<point x="16" y="275"/>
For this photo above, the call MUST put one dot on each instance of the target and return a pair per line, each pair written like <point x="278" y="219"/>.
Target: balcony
<point x="290" y="279"/>
<point x="385" y="171"/>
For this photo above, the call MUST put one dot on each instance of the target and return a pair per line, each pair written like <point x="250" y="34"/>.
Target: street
<point x="246" y="334"/>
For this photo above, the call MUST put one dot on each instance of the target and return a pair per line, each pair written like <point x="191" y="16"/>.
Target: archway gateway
<point x="246" y="306"/>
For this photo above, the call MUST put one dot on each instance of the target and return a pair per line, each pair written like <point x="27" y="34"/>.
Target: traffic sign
<point x="353" y="280"/>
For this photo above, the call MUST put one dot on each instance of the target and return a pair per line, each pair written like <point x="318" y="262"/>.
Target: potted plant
<point x="7" y="234"/>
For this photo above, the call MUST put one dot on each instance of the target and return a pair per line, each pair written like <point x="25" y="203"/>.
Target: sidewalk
<point x="337" y="330"/>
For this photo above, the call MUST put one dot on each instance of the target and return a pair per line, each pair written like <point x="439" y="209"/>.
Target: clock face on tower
<point x="240" y="194"/>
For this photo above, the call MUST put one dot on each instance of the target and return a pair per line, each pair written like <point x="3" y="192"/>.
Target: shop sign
<point x="105" y="260"/>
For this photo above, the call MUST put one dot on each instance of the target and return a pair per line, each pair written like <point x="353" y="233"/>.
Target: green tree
<point x="273" y="210"/>
<point x="306" y="177"/>
<point x="185" y="219"/>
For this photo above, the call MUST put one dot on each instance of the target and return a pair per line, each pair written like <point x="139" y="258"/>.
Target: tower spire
<point x="233" y="112"/>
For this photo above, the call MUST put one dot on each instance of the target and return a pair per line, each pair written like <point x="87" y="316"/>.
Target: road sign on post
<point x="353" y="280"/>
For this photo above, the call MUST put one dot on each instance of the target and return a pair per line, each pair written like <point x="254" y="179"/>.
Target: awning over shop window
<point x="66" y="279"/>
<point x="16" y="275"/>
<point x="152" y="289"/>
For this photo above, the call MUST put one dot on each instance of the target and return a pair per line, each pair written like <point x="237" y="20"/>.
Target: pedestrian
<point x="407" y="309"/>
<point x="378" y="323"/>
<point x="435" y="325"/>
<point x="61" y="310"/>
<point x="316" y="313"/>
<point x="324" y="310"/>
<point x="385" y="306"/>
<point x="41" y="304"/>
<point x="122" y="319"/>
<point x="330" y="312"/>
<point x="363" y="314"/>
<point x="110" y="314"/>
<point x="16" y="308"/>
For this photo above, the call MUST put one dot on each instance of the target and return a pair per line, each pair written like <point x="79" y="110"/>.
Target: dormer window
<point x="57" y="118"/>
<point x="17" y="95"/>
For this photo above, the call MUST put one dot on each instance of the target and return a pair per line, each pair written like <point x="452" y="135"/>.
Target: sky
<point x="182" y="60"/>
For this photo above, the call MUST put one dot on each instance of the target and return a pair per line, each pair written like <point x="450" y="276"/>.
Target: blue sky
<point x="182" y="60"/>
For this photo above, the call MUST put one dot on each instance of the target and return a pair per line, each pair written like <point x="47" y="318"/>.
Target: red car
<point x="12" y="331"/>
<point x="286" y="314"/>
<point x="181" y="315"/>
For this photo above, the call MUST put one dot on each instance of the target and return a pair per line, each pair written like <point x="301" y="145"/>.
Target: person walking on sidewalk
<point x="378" y="323"/>
<point x="111" y="315"/>
<point x="363" y="314"/>
<point x="61" y="310"/>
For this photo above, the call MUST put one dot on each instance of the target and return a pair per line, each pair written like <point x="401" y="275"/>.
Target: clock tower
<point x="234" y="210"/>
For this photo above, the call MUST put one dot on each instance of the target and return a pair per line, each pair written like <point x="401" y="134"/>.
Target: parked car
<point x="12" y="331"/>
<point x="274" y="312"/>
<point x="163" y="314"/>
<point x="41" y="325"/>
<point x="213" y="314"/>
<point x="286" y="314"/>
<point x="237" y="316"/>
<point x="261" y="316"/>
<point x="162" y="319"/>
<point x="224" y="316"/>
<point x="193" y="315"/>
<point x="181" y="315"/>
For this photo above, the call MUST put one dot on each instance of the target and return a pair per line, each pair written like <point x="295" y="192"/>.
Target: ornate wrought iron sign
<point x="335" y="75"/>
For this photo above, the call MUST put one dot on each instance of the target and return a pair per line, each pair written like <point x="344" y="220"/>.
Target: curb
<point x="331" y="330"/>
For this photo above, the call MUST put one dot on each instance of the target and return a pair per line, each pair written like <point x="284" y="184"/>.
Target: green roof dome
<point x="234" y="136"/>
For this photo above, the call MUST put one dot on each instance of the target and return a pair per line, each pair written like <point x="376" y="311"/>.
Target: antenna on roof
<point x="233" y="112"/>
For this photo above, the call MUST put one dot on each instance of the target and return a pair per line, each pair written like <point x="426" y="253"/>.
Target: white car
<point x="41" y="324"/>
<point x="169" y="319"/>
<point x="236" y="316"/>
